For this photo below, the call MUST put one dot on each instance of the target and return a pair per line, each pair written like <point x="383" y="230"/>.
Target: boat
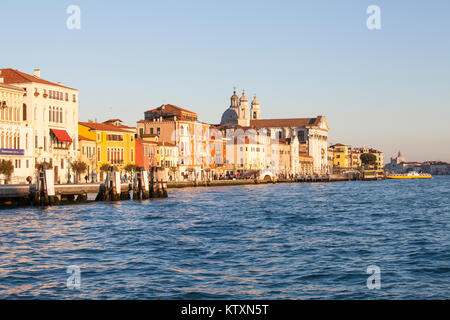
<point x="372" y="175"/>
<point x="409" y="175"/>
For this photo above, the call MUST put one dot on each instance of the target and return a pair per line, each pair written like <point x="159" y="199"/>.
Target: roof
<point x="81" y="138"/>
<point x="289" y="122"/>
<point x="337" y="145"/>
<point x="15" y="76"/>
<point x="112" y="120"/>
<point x="168" y="108"/>
<point x="143" y="141"/>
<point x="102" y="127"/>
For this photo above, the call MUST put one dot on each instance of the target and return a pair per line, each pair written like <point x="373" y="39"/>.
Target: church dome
<point x="400" y="158"/>
<point x="229" y="117"/>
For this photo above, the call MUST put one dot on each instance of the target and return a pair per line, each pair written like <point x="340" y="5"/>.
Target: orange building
<point x="180" y="127"/>
<point x="146" y="150"/>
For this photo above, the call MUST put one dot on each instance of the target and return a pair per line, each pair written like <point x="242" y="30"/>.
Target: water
<point x="283" y="241"/>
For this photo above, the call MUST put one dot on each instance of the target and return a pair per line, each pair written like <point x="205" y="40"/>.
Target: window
<point x="99" y="156"/>
<point x="158" y="131"/>
<point x="24" y="112"/>
<point x="301" y="136"/>
<point x="62" y="163"/>
<point x="114" y="137"/>
<point x="132" y="156"/>
<point x="141" y="131"/>
<point x="74" y="98"/>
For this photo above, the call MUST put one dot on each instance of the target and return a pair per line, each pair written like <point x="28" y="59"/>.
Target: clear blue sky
<point x="388" y="89"/>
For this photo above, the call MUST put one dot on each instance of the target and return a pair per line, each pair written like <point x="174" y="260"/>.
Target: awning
<point x="61" y="135"/>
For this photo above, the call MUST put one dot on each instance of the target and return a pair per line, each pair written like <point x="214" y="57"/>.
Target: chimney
<point x="37" y="73"/>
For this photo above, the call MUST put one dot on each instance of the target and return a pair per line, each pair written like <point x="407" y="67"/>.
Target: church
<point x="307" y="136"/>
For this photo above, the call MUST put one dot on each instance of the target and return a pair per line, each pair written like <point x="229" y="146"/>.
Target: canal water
<point x="281" y="241"/>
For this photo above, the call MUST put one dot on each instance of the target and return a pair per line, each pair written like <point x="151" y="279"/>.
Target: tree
<point x="78" y="167"/>
<point x="130" y="167"/>
<point x="6" y="168"/>
<point x="368" y="159"/>
<point x="105" y="167"/>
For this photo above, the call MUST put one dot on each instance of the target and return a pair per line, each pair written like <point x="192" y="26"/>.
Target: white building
<point x="15" y="133"/>
<point x="53" y="112"/>
<point x="312" y="133"/>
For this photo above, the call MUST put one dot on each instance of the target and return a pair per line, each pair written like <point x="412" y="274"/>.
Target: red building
<point x="146" y="147"/>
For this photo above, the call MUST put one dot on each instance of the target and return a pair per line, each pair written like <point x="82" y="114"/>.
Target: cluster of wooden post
<point x="44" y="193"/>
<point x="144" y="185"/>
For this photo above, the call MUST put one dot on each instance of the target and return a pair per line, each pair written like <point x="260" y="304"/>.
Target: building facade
<point x="181" y="128"/>
<point x="341" y="156"/>
<point x="310" y="132"/>
<point x="52" y="110"/>
<point x="15" y="133"/>
<point x="114" y="146"/>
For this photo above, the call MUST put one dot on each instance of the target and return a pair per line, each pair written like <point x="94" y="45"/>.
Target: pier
<point x="44" y="192"/>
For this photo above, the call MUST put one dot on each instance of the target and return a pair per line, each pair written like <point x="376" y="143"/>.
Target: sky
<point x="388" y="88"/>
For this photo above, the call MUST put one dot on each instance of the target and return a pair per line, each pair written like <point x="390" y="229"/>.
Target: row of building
<point x="39" y="125"/>
<point x="343" y="157"/>
<point x="399" y="164"/>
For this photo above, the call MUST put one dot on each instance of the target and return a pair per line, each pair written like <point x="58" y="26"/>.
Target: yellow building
<point x="340" y="156"/>
<point x="115" y="146"/>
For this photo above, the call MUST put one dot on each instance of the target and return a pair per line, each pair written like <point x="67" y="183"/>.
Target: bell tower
<point x="256" y="110"/>
<point x="244" y="117"/>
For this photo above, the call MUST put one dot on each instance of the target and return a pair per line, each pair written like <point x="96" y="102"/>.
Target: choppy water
<point x="296" y="241"/>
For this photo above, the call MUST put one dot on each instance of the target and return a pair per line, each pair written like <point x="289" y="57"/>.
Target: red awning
<point x="61" y="135"/>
